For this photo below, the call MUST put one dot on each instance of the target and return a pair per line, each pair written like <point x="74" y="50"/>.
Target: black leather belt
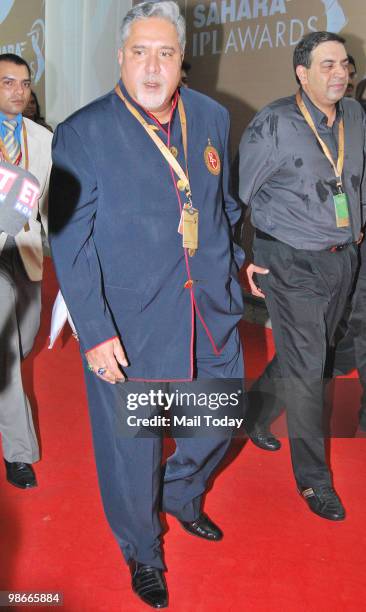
<point x="332" y="249"/>
<point x="339" y="247"/>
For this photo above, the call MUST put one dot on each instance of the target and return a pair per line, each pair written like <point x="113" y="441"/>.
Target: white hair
<point x="165" y="9"/>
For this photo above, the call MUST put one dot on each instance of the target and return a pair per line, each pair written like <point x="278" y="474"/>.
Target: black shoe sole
<point x="266" y="448"/>
<point x="156" y="607"/>
<point x="325" y="516"/>
<point x="148" y="603"/>
<point x="19" y="486"/>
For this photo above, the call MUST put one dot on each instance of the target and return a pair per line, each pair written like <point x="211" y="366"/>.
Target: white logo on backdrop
<point x="5" y="8"/>
<point x="37" y="37"/>
<point x="37" y="40"/>
<point x="336" y="19"/>
<point x="249" y="32"/>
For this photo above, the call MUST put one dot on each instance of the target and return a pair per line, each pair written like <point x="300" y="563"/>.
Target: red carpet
<point x="276" y="556"/>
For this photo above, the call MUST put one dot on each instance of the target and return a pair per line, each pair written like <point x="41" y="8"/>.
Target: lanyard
<point x="164" y="150"/>
<point x="25" y="140"/>
<point x="338" y="169"/>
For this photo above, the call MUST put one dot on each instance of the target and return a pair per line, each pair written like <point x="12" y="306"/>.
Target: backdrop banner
<point x="241" y="50"/>
<point x="22" y="31"/>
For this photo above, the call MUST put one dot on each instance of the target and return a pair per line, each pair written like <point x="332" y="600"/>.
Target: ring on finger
<point x="101" y="371"/>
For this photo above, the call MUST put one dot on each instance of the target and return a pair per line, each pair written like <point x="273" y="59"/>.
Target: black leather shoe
<point x="203" y="527"/>
<point x="149" y="584"/>
<point x="325" y="502"/>
<point x="20" y="474"/>
<point x="264" y="439"/>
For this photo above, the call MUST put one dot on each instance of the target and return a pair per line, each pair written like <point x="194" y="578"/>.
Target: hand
<point x="360" y="238"/>
<point x="252" y="269"/>
<point x="108" y="355"/>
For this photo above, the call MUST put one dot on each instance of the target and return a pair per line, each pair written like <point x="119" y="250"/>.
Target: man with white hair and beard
<point x="141" y="234"/>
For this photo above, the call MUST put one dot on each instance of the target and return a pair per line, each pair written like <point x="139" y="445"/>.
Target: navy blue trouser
<point x="129" y="459"/>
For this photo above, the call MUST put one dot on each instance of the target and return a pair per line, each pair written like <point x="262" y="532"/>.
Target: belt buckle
<point x="338" y="247"/>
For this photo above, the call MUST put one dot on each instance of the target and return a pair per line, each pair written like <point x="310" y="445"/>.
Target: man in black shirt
<point x="302" y="173"/>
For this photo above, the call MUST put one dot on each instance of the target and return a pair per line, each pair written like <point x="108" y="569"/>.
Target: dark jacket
<point x="114" y="214"/>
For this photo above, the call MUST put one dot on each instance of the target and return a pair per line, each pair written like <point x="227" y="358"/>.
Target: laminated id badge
<point x="341" y="209"/>
<point x="190" y="227"/>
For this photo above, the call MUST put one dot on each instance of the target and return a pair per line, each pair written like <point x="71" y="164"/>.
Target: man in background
<point x="186" y="66"/>
<point x="352" y="76"/>
<point x="23" y="143"/>
<point x="350" y="351"/>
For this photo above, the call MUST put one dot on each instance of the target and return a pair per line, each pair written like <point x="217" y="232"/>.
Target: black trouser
<point x="351" y="349"/>
<point x="306" y="293"/>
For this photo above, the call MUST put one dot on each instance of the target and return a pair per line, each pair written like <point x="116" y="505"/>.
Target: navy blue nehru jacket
<point x="114" y="215"/>
<point x="288" y="181"/>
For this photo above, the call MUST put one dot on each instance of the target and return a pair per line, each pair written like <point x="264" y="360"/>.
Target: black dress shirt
<point x="288" y="181"/>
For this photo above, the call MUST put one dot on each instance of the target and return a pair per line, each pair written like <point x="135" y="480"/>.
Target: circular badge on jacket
<point x="212" y="160"/>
